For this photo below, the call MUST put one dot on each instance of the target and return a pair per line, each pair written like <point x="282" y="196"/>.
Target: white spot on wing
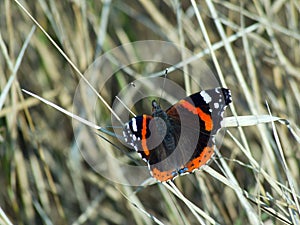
<point x="205" y="96"/>
<point x="134" y="127"/>
<point x="216" y="105"/>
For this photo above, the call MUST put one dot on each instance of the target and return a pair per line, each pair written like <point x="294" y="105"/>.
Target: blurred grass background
<point x="44" y="179"/>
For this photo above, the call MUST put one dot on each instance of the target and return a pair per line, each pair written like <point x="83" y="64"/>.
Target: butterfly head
<point x="155" y="106"/>
<point x="156" y="109"/>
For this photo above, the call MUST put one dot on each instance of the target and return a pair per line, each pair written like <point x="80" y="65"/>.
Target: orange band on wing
<point x="198" y="111"/>
<point x="144" y="138"/>
<point x="201" y="160"/>
<point x="162" y="175"/>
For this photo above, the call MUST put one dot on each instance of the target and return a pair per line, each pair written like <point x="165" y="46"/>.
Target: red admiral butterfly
<point x="182" y="138"/>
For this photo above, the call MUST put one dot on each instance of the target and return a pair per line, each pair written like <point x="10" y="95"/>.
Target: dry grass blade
<point x="15" y="68"/>
<point x="4" y="219"/>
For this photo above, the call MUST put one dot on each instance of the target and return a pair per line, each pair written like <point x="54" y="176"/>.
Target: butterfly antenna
<point x="133" y="85"/>
<point x="163" y="86"/>
<point x="140" y="92"/>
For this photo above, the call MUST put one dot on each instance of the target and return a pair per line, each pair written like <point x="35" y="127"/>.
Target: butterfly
<point x="182" y="138"/>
